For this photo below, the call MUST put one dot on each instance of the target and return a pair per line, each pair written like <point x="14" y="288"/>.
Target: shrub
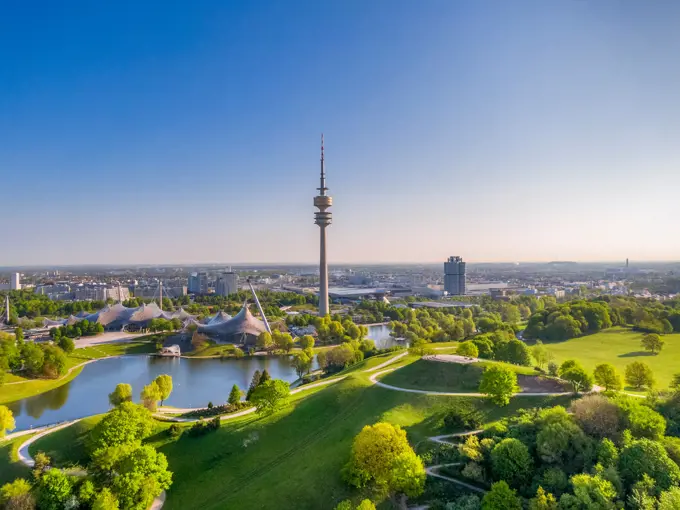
<point x="597" y="416"/>
<point x="553" y="369"/>
<point x="467" y="349"/>
<point x="511" y="462"/>
<point x="175" y="430"/>
<point x="463" y="417"/>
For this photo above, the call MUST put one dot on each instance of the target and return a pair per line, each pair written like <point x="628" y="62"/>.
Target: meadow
<point x="620" y="347"/>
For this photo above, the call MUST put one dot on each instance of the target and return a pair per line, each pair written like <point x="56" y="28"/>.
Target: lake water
<point x="195" y="382"/>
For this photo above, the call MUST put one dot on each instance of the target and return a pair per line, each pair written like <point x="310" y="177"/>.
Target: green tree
<point x="6" y="421"/>
<point x="639" y="375"/>
<point x="608" y="377"/>
<point x="270" y="396"/>
<point x="381" y="454"/>
<point x="301" y="362"/>
<point x="541" y="354"/>
<point x="105" y="500"/>
<point x="54" y="361"/>
<point x="578" y="377"/>
<point x="235" y="396"/>
<point x="543" y="501"/>
<point x="499" y="383"/>
<point x="86" y="492"/>
<point x="592" y="492"/>
<point x="501" y="497"/>
<point x="150" y="395"/>
<point x="514" y="351"/>
<point x="164" y="382"/>
<point x="607" y="453"/>
<point x="645" y="456"/>
<point x="670" y="499"/>
<point x="124" y="424"/>
<point x="642" y="494"/>
<point x="675" y="383"/>
<point x="17" y="495"/>
<point x="467" y="349"/>
<point x="652" y="342"/>
<point x="511" y="461"/>
<point x="264" y="341"/>
<point x="284" y="342"/>
<point x="254" y="382"/>
<point x="306" y="342"/>
<point x="122" y="393"/>
<point x="33" y="357"/>
<point x="19" y="334"/>
<point x="141" y="475"/>
<point x="366" y="504"/>
<point x="66" y="344"/>
<point x="54" y="488"/>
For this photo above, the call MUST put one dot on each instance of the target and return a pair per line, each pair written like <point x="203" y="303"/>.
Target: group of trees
<point x="29" y="358"/>
<point x="604" y="453"/>
<point x="345" y="354"/>
<point x="568" y="320"/>
<point x="80" y="328"/>
<point x="123" y="473"/>
<point x="277" y="341"/>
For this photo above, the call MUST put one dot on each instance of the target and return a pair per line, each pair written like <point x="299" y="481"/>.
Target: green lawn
<point x="73" y="436"/>
<point x="10" y="467"/>
<point x="438" y="376"/>
<point x="620" y="347"/>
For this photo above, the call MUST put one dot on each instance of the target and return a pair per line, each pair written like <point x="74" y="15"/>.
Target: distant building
<point x="15" y="281"/>
<point x="198" y="283"/>
<point x="153" y="292"/>
<point x="454" y="276"/>
<point x="227" y="284"/>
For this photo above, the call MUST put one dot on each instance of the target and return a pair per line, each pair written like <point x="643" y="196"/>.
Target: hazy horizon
<point x="182" y="134"/>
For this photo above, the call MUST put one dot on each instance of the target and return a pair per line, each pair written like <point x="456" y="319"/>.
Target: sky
<point x="189" y="132"/>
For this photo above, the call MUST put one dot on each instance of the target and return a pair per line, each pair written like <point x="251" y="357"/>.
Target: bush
<point x="201" y="427"/>
<point x="175" y="430"/>
<point x="553" y="369"/>
<point x="463" y="417"/>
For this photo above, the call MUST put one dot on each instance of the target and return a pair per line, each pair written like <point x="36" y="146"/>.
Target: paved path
<point x="23" y="454"/>
<point x="388" y="362"/>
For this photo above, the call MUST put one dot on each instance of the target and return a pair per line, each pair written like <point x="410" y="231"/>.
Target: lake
<point x="195" y="382"/>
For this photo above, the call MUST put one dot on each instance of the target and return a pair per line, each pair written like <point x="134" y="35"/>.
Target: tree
<point x="124" y="424"/>
<point x="592" y="492"/>
<point x="141" y="475"/>
<point x="66" y="344"/>
<point x="675" y="383"/>
<point x="499" y="383"/>
<point x="468" y="349"/>
<point x="466" y="502"/>
<point x="284" y="342"/>
<point x="543" y="501"/>
<point x="33" y="357"/>
<point x="639" y="375"/>
<point x="19" y="334"/>
<point x="511" y="461"/>
<point x="578" y="377"/>
<point x="501" y="497"/>
<point x="366" y="504"/>
<point x="607" y="453"/>
<point x="265" y="377"/>
<point x="164" y="382"/>
<point x="541" y="354"/>
<point x="301" y="362"/>
<point x="514" y="351"/>
<point x="270" y="396"/>
<point x="150" y="396"/>
<point x="381" y="454"/>
<point x="597" y="416"/>
<point x="54" y="361"/>
<point x="105" y="500"/>
<point x="6" y="421"/>
<point x="17" y="495"/>
<point x="254" y="382"/>
<point x="234" y="396"/>
<point x="608" y="377"/>
<point x="645" y="456"/>
<point x="264" y="341"/>
<point x="306" y="342"/>
<point x="652" y="342"/>
<point x="670" y="499"/>
<point x="122" y="393"/>
<point x="54" y="488"/>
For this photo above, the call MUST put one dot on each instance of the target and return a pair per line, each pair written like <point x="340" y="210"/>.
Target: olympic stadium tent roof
<point x="119" y="316"/>
<point x="242" y="328"/>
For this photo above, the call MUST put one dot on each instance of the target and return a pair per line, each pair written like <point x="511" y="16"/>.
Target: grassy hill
<point x="620" y="347"/>
<point x="438" y="376"/>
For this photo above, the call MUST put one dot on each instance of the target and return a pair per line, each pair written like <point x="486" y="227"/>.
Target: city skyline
<point x="161" y="134"/>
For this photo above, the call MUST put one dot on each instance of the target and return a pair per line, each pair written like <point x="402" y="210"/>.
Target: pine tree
<point x="265" y="377"/>
<point x="235" y="395"/>
<point x="254" y="382"/>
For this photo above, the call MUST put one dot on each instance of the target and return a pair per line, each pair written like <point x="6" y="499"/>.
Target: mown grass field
<point x="74" y="436"/>
<point x="620" y="347"/>
<point x="438" y="376"/>
<point x="10" y="467"/>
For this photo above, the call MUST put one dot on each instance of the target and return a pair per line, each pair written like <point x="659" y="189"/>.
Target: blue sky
<point x="180" y="132"/>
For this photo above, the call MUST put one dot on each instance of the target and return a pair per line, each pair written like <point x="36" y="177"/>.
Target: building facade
<point x="198" y="283"/>
<point x="15" y="281"/>
<point x="454" y="276"/>
<point x="226" y="284"/>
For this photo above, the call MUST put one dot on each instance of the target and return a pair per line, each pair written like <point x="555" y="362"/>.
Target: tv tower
<point x="323" y="218"/>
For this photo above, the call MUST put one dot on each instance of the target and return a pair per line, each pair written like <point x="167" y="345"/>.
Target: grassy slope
<point x="620" y="347"/>
<point x="73" y="436"/>
<point x="10" y="467"/>
<point x="32" y="387"/>
<point x="437" y="376"/>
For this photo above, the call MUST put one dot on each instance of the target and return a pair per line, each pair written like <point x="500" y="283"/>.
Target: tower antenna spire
<point x="323" y="188"/>
<point x="323" y="218"/>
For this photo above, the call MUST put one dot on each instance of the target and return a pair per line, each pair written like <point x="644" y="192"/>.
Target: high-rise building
<point x="323" y="218"/>
<point x="15" y="281"/>
<point x="454" y="276"/>
<point x="226" y="284"/>
<point x="193" y="284"/>
<point x="198" y="283"/>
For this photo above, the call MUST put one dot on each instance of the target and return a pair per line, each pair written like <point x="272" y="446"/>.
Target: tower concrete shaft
<point x="323" y="218"/>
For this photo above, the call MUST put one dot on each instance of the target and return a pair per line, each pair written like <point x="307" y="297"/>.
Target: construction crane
<point x="259" y="307"/>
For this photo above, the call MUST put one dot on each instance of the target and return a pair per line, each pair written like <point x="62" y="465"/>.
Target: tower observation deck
<point x="323" y="218"/>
